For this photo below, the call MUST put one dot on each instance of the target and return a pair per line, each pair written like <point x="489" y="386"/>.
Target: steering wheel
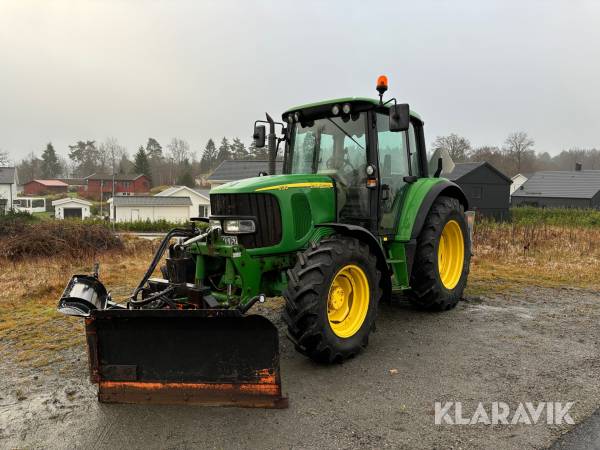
<point x="346" y="162"/>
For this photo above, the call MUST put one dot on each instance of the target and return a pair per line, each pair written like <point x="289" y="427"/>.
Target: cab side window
<point x="415" y="164"/>
<point x="393" y="161"/>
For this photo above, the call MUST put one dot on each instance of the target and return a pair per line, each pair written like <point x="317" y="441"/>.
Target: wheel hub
<point x="348" y="301"/>
<point x="451" y="253"/>
<point x="338" y="297"/>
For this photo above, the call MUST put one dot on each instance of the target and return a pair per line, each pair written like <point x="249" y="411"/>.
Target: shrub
<point x="14" y="220"/>
<point x="61" y="238"/>
<point x="140" y="226"/>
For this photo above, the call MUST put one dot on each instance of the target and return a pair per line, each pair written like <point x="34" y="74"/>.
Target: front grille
<point x="302" y="215"/>
<point x="263" y="207"/>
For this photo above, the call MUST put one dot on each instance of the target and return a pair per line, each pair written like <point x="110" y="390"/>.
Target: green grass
<point x="572" y="217"/>
<point x="46" y="215"/>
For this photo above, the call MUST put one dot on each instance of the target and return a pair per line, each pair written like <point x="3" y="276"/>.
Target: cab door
<point x="394" y="168"/>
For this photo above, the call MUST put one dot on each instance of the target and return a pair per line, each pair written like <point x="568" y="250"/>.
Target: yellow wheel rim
<point x="348" y="301"/>
<point x="451" y="254"/>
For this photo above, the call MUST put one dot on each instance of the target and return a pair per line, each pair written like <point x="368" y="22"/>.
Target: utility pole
<point x="114" y="209"/>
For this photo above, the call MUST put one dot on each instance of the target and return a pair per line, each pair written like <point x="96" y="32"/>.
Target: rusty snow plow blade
<point x="206" y="357"/>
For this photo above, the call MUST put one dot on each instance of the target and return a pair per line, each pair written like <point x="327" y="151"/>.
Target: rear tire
<point x="437" y="280"/>
<point x="331" y="299"/>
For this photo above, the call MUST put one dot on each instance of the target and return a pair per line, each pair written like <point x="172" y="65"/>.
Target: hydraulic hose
<point x="175" y="232"/>
<point x="151" y="298"/>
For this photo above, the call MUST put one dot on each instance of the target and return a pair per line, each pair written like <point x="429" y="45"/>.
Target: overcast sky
<point x="198" y="69"/>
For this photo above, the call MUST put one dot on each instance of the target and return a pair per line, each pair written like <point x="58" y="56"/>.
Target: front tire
<point x="331" y="300"/>
<point x="442" y="258"/>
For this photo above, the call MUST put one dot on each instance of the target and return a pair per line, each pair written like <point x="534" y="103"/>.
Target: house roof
<point x="73" y="181"/>
<point x="66" y="200"/>
<point x="49" y="183"/>
<point x="150" y="200"/>
<point x="203" y="192"/>
<point x="232" y="170"/>
<point x="174" y="189"/>
<point x="462" y="169"/>
<point x="561" y="184"/>
<point x="7" y="175"/>
<point x="118" y="176"/>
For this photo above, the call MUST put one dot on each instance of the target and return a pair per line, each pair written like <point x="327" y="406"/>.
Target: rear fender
<point x="446" y="188"/>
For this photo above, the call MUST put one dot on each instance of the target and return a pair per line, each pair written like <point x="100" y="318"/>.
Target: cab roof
<point x="362" y="100"/>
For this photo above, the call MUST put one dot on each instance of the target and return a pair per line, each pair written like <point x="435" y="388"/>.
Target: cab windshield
<point x="330" y="146"/>
<point x="335" y="146"/>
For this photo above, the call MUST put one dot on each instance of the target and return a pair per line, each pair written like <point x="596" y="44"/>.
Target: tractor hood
<point x="272" y="183"/>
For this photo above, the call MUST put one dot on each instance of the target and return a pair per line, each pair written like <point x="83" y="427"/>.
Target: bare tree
<point x="518" y="146"/>
<point x="4" y="159"/>
<point x="457" y="146"/>
<point x="179" y="150"/>
<point x="109" y="153"/>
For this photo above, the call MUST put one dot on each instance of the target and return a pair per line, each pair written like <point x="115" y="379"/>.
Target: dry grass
<point x="506" y="258"/>
<point x="509" y="256"/>
<point x="30" y="328"/>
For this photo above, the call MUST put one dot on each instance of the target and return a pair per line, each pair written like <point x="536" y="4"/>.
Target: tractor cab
<point x="370" y="149"/>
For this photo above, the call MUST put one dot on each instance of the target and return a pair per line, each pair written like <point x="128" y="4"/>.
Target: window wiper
<point x="344" y="131"/>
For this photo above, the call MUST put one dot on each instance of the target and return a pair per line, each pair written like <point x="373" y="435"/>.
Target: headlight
<point x="214" y="223"/>
<point x="346" y="108"/>
<point x="239" y="226"/>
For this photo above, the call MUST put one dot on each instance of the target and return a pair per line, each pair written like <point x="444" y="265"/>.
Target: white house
<point x="8" y="188"/>
<point x="148" y="207"/>
<point x="199" y="197"/>
<point x="517" y="181"/>
<point x="71" y="208"/>
<point x="30" y="204"/>
<point x="234" y="170"/>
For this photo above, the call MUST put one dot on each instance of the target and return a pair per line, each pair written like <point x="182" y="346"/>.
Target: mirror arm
<point x="393" y="99"/>
<point x="438" y="171"/>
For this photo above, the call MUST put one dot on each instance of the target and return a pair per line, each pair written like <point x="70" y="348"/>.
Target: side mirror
<point x="399" y="117"/>
<point x="259" y="136"/>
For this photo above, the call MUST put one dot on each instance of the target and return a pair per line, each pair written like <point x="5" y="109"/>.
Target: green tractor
<point x="354" y="218"/>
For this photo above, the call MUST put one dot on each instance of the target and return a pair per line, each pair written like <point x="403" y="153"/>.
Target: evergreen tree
<point x="209" y="157"/>
<point x="84" y="155"/>
<point x="238" y="149"/>
<point x="224" y="151"/>
<point x="153" y="149"/>
<point x="126" y="166"/>
<point x="142" y="165"/>
<point x="50" y="165"/>
<point x="258" y="153"/>
<point x="186" y="178"/>
<point x="308" y="149"/>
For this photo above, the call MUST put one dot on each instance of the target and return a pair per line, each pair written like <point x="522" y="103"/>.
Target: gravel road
<point x="534" y="345"/>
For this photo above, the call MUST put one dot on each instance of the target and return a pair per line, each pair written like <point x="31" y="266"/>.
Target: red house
<point x="124" y="185"/>
<point x="41" y="187"/>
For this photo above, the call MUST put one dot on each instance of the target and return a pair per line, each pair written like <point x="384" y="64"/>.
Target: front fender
<point x="364" y="235"/>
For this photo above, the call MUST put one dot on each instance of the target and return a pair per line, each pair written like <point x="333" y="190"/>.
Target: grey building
<point x="486" y="188"/>
<point x="8" y="188"/>
<point x="233" y="170"/>
<point x="561" y="189"/>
